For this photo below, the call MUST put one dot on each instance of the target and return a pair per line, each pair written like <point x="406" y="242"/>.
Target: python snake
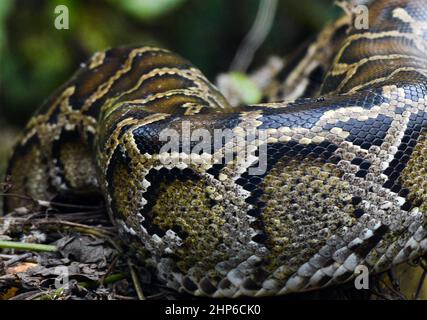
<point x="345" y="177"/>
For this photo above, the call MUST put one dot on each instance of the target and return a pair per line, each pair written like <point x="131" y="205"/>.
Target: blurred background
<point x="36" y="58"/>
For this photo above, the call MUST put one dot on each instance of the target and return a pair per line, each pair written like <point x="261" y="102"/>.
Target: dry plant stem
<point x="79" y="216"/>
<point x="397" y="293"/>
<point x="423" y="265"/>
<point x="380" y="295"/>
<point x="420" y="285"/>
<point x="27" y="246"/>
<point x="256" y="35"/>
<point x="135" y="280"/>
<point x="110" y="279"/>
<point x="109" y="270"/>
<point x="16" y="195"/>
<point x="16" y="259"/>
<point x="94" y="231"/>
<point x="49" y="224"/>
<point x="120" y="297"/>
<point x="7" y="256"/>
<point x="48" y="204"/>
<point x="50" y="295"/>
<point x="30" y="295"/>
<point x="68" y="205"/>
<point x="393" y="279"/>
<point x="99" y="232"/>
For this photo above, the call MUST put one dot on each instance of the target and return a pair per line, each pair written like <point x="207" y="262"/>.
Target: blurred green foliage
<point x="248" y="90"/>
<point x="5" y="6"/>
<point x="36" y="58"/>
<point x="146" y="9"/>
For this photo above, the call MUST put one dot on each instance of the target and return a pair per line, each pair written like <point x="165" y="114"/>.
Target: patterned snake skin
<point x="345" y="177"/>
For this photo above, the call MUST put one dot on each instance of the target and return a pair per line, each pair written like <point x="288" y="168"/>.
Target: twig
<point x="27" y="246"/>
<point x="83" y="215"/>
<point x="16" y="259"/>
<point x="156" y="296"/>
<point x="135" y="280"/>
<point x="119" y="296"/>
<point x="16" y="195"/>
<point x="393" y="290"/>
<point x="96" y="231"/>
<point x="393" y="279"/>
<point x="91" y="230"/>
<point x="7" y="256"/>
<point x="422" y="278"/>
<point x="30" y="295"/>
<point x="109" y="270"/>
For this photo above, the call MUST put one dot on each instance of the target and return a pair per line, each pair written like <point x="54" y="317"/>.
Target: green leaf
<point x="248" y="91"/>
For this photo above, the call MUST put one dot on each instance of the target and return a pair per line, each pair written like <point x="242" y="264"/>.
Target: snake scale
<point x="345" y="177"/>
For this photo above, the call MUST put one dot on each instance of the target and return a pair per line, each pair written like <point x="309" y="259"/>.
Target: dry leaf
<point x="10" y="293"/>
<point x="22" y="267"/>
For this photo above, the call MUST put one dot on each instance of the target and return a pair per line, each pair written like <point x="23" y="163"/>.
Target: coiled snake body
<point x="345" y="177"/>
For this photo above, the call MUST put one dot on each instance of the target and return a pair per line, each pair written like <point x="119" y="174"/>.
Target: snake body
<point x="345" y="177"/>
